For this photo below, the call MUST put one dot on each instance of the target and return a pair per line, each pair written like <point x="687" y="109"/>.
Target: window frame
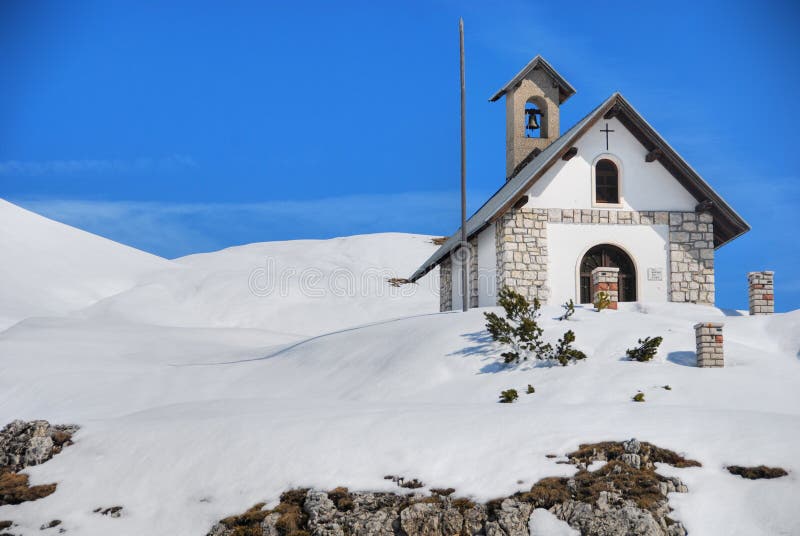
<point x="620" y="173"/>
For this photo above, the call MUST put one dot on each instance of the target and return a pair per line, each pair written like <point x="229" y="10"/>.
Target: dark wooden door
<point x="614" y="257"/>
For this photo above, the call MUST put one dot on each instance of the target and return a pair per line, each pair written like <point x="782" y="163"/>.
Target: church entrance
<point x="614" y="257"/>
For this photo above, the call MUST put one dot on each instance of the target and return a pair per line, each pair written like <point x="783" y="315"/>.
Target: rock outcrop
<point x="625" y="496"/>
<point x="25" y="443"/>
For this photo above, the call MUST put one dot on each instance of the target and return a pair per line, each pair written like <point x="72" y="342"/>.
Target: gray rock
<point x="632" y="446"/>
<point x="23" y="444"/>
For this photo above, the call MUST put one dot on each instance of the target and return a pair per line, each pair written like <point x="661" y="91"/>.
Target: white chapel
<point x="608" y="193"/>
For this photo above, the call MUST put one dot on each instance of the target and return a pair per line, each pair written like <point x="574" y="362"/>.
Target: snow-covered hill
<point x="49" y="268"/>
<point x="198" y="398"/>
<point x="297" y="288"/>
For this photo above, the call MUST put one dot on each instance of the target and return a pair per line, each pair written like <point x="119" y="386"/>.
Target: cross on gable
<point x="606" y="130"/>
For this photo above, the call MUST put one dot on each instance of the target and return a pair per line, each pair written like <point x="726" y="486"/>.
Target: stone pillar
<point x="446" y="285"/>
<point x="521" y="244"/>
<point x="691" y="256"/>
<point x="708" y="337"/>
<point x="762" y="292"/>
<point x="606" y="279"/>
<point x="473" y="272"/>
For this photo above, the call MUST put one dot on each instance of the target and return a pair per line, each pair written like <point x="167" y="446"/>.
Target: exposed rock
<point x="15" y="489"/>
<point x="626" y="496"/>
<point x="23" y="444"/>
<point x="757" y="472"/>
<point x="112" y="511"/>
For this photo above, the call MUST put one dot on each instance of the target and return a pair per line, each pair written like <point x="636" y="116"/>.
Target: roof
<point x="727" y="223"/>
<point x="565" y="89"/>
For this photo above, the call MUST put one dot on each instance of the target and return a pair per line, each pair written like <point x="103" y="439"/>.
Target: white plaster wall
<point x="645" y="186"/>
<point x="647" y="245"/>
<point x="487" y="268"/>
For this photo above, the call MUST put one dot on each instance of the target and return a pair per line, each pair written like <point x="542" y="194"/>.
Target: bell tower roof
<point x="565" y="89"/>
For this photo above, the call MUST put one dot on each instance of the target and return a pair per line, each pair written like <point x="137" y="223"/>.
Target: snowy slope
<point x="296" y="288"/>
<point x="49" y="268"/>
<point x="198" y="397"/>
<point x="206" y="422"/>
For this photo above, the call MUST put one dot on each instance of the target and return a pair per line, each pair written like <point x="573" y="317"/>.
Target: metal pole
<point x="465" y="258"/>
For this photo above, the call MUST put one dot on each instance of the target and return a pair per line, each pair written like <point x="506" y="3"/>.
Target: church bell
<point x="533" y="120"/>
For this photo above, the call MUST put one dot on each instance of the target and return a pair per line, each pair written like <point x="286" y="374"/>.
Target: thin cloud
<point x="177" y="229"/>
<point x="32" y="168"/>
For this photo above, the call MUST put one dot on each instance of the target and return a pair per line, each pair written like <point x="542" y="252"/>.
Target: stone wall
<point x="521" y="246"/>
<point x="691" y="256"/>
<point x="473" y="272"/>
<point x="521" y="242"/>
<point x="761" y="291"/>
<point x="691" y="236"/>
<point x="446" y="285"/>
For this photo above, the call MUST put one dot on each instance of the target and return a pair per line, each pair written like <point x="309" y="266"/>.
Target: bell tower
<point x="533" y="98"/>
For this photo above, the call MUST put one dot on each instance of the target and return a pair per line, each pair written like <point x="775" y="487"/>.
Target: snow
<point x="49" y="268"/>
<point x="543" y="523"/>
<point x="198" y="398"/>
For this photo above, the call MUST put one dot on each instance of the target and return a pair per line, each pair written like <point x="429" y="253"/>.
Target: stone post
<point x="606" y="279"/>
<point x="708" y="337"/>
<point x="761" y="289"/>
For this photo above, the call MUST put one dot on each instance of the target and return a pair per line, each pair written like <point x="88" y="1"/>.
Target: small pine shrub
<point x="646" y="350"/>
<point x="667" y="388"/>
<point x="530" y="390"/>
<point x="522" y="335"/>
<point x="508" y="396"/>
<point x="638" y="397"/>
<point x="564" y="351"/>
<point x="569" y="310"/>
<point x="603" y="301"/>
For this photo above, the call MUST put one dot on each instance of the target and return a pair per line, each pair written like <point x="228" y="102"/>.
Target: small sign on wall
<point x="655" y="274"/>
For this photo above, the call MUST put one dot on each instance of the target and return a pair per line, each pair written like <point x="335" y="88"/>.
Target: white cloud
<point x="72" y="167"/>
<point x="175" y="229"/>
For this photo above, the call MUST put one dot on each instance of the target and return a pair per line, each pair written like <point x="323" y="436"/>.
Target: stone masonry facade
<point x="446" y="279"/>
<point x="521" y="244"/>
<point x="691" y="256"/>
<point x="708" y="339"/>
<point x="521" y="251"/>
<point x="761" y="291"/>
<point x="446" y="284"/>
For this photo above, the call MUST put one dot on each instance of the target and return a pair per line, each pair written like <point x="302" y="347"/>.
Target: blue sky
<point x="179" y="127"/>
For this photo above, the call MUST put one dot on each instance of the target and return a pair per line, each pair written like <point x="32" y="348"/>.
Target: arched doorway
<point x="608" y="255"/>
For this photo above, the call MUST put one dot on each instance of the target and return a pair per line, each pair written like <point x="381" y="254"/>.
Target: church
<point x="606" y="205"/>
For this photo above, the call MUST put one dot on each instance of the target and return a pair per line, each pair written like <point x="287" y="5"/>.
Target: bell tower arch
<point x="533" y="98"/>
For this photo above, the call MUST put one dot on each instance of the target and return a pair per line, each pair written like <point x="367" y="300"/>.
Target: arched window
<point x="534" y="120"/>
<point x="606" y="182"/>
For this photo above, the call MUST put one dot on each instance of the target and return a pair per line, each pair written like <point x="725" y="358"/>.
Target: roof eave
<point x="565" y="88"/>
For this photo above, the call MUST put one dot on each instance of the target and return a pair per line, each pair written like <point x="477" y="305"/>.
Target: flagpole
<point x="465" y="258"/>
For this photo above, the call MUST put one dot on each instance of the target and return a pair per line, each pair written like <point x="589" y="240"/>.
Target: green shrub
<point x="564" y="351"/>
<point x="522" y="335"/>
<point x="508" y="396"/>
<point x="569" y="310"/>
<point x="646" y="350"/>
<point x="667" y="388"/>
<point x="638" y="397"/>
<point x="530" y="390"/>
<point x="603" y="301"/>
